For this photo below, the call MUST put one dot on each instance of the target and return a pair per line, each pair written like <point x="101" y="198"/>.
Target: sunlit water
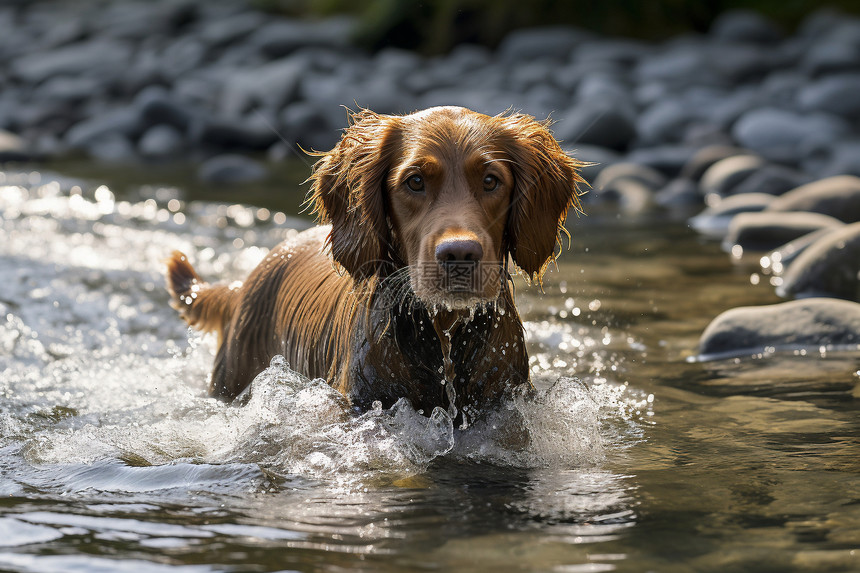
<point x="112" y="457"/>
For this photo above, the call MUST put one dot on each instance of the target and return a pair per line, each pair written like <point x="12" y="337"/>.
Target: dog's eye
<point x="491" y="182"/>
<point x="415" y="183"/>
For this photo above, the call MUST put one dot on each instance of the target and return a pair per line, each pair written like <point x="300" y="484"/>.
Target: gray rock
<point x="744" y="26"/>
<point x="829" y="57"/>
<point x="231" y="169"/>
<point x="842" y="158"/>
<point x="680" y="193"/>
<point x="702" y="160"/>
<point x="772" y="179"/>
<point x="111" y="148"/>
<point x="780" y="258"/>
<point x="768" y="230"/>
<point x="809" y="323"/>
<point x="270" y="86"/>
<point x="161" y="142"/>
<point x="125" y="122"/>
<point x="598" y="157"/>
<point x="723" y="176"/>
<point x="533" y="43"/>
<point x="650" y="178"/>
<point x="715" y="220"/>
<point x="281" y="37"/>
<point x="253" y="132"/>
<point x="828" y="267"/>
<point x="596" y="124"/>
<point x="227" y="30"/>
<point x="681" y="65"/>
<point x="84" y="58"/>
<point x="155" y="106"/>
<point x="785" y="136"/>
<point x="667" y="159"/>
<point x="664" y="122"/>
<point x="834" y="94"/>
<point x="628" y="195"/>
<point x="838" y="197"/>
<point x="13" y="148"/>
<point x="307" y="124"/>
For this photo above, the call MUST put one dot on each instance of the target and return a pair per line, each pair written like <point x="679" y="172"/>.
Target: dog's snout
<point x="458" y="251"/>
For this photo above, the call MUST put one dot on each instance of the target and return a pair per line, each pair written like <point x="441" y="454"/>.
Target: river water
<point x="640" y="458"/>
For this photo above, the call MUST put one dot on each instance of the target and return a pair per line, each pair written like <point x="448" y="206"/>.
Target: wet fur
<point x="339" y="301"/>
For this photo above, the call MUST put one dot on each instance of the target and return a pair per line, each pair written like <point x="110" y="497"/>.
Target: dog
<point x="404" y="290"/>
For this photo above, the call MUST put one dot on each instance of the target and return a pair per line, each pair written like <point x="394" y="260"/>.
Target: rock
<point x="599" y="158"/>
<point x="828" y="267"/>
<point x="13" y="148"/>
<point x="281" y="37"/>
<point x="308" y="125"/>
<point x="156" y="106"/>
<point x="702" y="159"/>
<point x="842" y="158"/>
<point x="724" y="175"/>
<point x="231" y="169"/>
<point x="630" y="196"/>
<point x="667" y="159"/>
<point x="715" y="220"/>
<point x="834" y="94"/>
<point x="780" y="258"/>
<point x="664" y="122"/>
<point x="681" y="65"/>
<point x="767" y="230"/>
<point x="829" y="57"/>
<point x="785" y="136"/>
<point x="679" y="193"/>
<point x="103" y="55"/>
<point x="227" y="30"/>
<point x="111" y="148"/>
<point x="254" y="132"/>
<point x="772" y="179"/>
<point x="838" y="197"/>
<point x="744" y="26"/>
<point x="123" y="121"/>
<point x="650" y="178"/>
<point x="596" y="124"/>
<point x="546" y="42"/>
<point x="809" y="323"/>
<point x="161" y="142"/>
<point x="270" y="86"/>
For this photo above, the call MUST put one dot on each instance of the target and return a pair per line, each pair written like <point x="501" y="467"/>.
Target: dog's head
<point x="448" y="193"/>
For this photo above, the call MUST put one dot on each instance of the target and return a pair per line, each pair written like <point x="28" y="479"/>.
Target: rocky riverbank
<point x="760" y="126"/>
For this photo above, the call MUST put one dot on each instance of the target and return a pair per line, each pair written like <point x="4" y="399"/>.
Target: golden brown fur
<point x="371" y="303"/>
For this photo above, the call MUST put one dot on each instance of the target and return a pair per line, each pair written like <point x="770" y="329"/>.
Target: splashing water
<point x="96" y="368"/>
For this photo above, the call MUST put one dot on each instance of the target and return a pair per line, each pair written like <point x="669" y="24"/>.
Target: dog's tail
<point x="205" y="307"/>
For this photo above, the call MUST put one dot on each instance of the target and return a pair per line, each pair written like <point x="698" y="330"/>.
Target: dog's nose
<point x="458" y="251"/>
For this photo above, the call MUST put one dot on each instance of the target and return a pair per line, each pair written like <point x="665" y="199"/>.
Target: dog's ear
<point x="546" y="182"/>
<point x="347" y="191"/>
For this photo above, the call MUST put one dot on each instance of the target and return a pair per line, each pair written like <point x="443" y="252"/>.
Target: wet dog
<point x="405" y="290"/>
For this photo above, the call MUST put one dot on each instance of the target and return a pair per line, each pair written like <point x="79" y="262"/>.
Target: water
<point x="112" y="458"/>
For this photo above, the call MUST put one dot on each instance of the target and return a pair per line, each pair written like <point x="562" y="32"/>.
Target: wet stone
<point x="701" y="161"/>
<point x="714" y="221"/>
<point x="810" y="323"/>
<point x="766" y="231"/>
<point x="724" y="175"/>
<point x="785" y="136"/>
<point x="837" y="197"/>
<point x="828" y="267"/>
<point x="596" y="124"/>
<point x="231" y="169"/>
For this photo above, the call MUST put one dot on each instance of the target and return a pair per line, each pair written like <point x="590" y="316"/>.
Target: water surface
<point x="112" y="458"/>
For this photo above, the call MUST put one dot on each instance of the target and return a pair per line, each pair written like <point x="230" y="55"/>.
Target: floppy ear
<point x="545" y="186"/>
<point x="347" y="192"/>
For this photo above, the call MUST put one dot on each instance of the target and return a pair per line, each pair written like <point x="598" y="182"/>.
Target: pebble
<point x="838" y="197"/>
<point x="830" y="266"/>
<point x="785" y="136"/>
<point x="765" y="231"/>
<point x="810" y="323"/>
<point x="230" y="169"/>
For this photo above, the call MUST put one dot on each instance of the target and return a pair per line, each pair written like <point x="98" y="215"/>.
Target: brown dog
<point x="407" y="293"/>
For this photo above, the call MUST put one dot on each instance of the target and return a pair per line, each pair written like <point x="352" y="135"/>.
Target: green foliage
<point x="434" y="27"/>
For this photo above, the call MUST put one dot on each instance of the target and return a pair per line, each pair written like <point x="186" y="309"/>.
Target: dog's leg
<point x="206" y="307"/>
